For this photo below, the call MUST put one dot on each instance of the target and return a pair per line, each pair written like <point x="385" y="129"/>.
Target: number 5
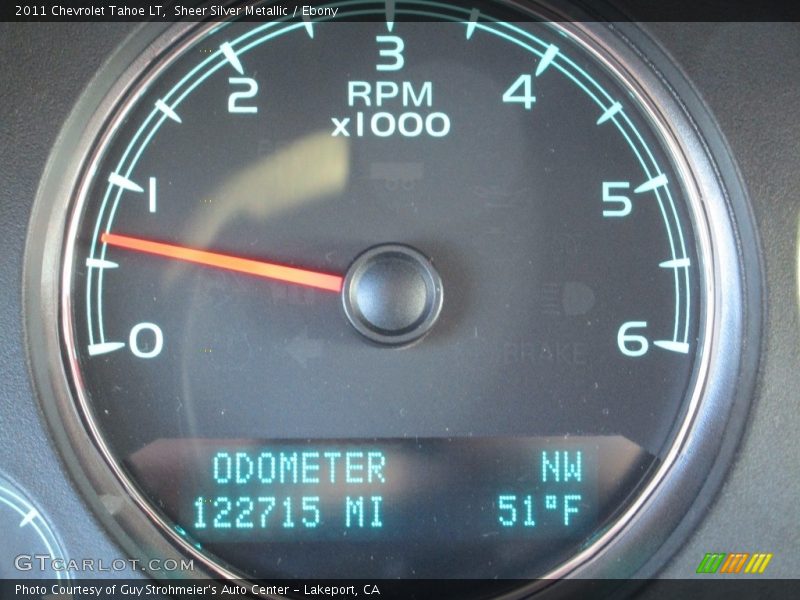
<point x="625" y="209"/>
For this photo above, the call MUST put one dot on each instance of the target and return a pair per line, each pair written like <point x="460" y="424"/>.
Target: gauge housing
<point x="652" y="527"/>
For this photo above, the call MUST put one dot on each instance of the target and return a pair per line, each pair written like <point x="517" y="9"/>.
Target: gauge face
<point x="385" y="299"/>
<point x="30" y="549"/>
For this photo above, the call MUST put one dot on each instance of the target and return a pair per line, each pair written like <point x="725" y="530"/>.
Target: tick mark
<point x="655" y="182"/>
<point x="30" y="516"/>
<point x="676" y="263"/>
<point x="230" y="54"/>
<point x="99" y="263"/>
<point x="474" y="15"/>
<point x="124" y="183"/>
<point x="309" y="26"/>
<point x="610" y="112"/>
<point x="167" y="110"/>
<point x="390" y="15"/>
<point x="104" y="348"/>
<point x="680" y="347"/>
<point x="547" y="58"/>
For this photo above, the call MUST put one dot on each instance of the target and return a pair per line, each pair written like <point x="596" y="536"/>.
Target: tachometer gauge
<point x="407" y="289"/>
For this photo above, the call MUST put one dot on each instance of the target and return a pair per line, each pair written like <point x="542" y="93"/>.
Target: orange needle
<point x="259" y="268"/>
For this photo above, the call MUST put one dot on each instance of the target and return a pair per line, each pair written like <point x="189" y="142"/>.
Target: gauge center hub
<point x="392" y="294"/>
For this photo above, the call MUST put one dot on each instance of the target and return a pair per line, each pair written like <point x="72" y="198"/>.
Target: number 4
<point x="526" y="97"/>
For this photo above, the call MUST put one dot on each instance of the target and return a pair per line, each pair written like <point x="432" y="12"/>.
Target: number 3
<point x="396" y="53"/>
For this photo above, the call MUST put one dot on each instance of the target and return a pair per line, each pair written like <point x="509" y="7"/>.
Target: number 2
<point x="250" y="92"/>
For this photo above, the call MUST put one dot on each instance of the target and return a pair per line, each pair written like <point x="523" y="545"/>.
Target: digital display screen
<point x="490" y="492"/>
<point x="448" y="488"/>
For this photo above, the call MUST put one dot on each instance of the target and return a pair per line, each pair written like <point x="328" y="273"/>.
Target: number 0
<point x="133" y="340"/>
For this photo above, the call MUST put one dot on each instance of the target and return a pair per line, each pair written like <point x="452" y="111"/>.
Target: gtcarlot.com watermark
<point x="47" y="564"/>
